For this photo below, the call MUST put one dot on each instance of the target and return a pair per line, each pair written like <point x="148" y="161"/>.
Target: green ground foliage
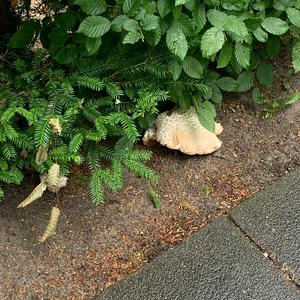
<point x="103" y="69"/>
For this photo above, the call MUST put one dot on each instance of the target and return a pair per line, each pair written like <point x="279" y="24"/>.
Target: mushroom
<point x="183" y="131"/>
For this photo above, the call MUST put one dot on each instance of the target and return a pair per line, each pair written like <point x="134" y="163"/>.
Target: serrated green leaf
<point x="292" y="99"/>
<point x="131" y="7"/>
<point x="199" y="16"/>
<point x="235" y="25"/>
<point x="150" y="22"/>
<point x="206" y="112"/>
<point x="245" y="81"/>
<point x="192" y="67"/>
<point x="24" y="35"/>
<point x="225" y="55"/>
<point x="294" y="16"/>
<point x="217" y="18"/>
<point x="67" y="54"/>
<point x="227" y="84"/>
<point x="264" y="74"/>
<point x="260" y="35"/>
<point x="212" y="41"/>
<point x="257" y="96"/>
<point x="252" y="23"/>
<point x="94" y="7"/>
<point x="175" y="68"/>
<point x="236" y="5"/>
<point x="273" y="46"/>
<point x="180" y="2"/>
<point x="296" y="56"/>
<point x="131" y="38"/>
<point x="94" y="26"/>
<point x="92" y="45"/>
<point x="176" y="42"/>
<point x="275" y="25"/>
<point x="282" y="5"/>
<point x="118" y="23"/>
<point x="164" y="7"/>
<point x="131" y="25"/>
<point x="242" y="55"/>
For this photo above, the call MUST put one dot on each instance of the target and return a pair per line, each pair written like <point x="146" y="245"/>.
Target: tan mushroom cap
<point x="182" y="131"/>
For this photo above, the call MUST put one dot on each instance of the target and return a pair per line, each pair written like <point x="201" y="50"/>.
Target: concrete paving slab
<point x="272" y="219"/>
<point x="216" y="263"/>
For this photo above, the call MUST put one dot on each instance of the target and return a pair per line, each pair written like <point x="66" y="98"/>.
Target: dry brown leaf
<point x="56" y="128"/>
<point x="35" y="194"/>
<point x="53" y="175"/>
<point x="52" y="225"/>
<point x="62" y="183"/>
<point x="41" y="155"/>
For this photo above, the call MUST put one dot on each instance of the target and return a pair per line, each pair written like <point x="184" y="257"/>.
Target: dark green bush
<point x="106" y="66"/>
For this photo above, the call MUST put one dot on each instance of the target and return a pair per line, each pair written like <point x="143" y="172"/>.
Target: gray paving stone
<point x="272" y="219"/>
<point x="216" y="263"/>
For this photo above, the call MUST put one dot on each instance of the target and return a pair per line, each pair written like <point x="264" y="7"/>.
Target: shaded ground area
<point x="248" y="254"/>
<point x="97" y="246"/>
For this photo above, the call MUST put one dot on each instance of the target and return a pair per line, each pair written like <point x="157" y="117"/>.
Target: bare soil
<point x="97" y="246"/>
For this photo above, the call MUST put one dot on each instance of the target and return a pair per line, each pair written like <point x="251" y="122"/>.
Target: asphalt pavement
<point x="251" y="253"/>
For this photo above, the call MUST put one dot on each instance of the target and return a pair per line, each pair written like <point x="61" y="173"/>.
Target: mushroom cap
<point x="183" y="131"/>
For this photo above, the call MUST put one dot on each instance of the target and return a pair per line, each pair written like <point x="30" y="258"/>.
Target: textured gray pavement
<point x="223" y="262"/>
<point x="272" y="219"/>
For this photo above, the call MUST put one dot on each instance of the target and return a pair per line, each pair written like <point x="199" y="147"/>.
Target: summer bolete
<point x="183" y="131"/>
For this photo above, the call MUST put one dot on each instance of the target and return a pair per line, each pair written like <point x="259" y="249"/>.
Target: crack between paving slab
<point x="278" y="265"/>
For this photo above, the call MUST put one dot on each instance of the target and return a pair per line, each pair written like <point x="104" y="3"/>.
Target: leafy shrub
<point x="112" y="63"/>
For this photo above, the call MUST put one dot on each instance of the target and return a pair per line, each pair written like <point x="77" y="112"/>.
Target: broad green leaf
<point x="92" y="45"/>
<point x="153" y="37"/>
<point x="227" y="84"/>
<point x="275" y="26"/>
<point x="175" y="68"/>
<point x="296" y="56"/>
<point x="123" y="145"/>
<point x="180" y="2"/>
<point x="131" y="38"/>
<point x="93" y="7"/>
<point x="192" y="67"/>
<point x="94" y="26"/>
<point x="235" y="25"/>
<point x="282" y="5"/>
<point x="260" y="35"/>
<point x="264" y="74"/>
<point x="252" y="23"/>
<point x="237" y="5"/>
<point x="257" y="96"/>
<point x="225" y="55"/>
<point x="118" y="23"/>
<point x="164" y="7"/>
<point x="199" y="16"/>
<point x="24" y="35"/>
<point x="131" y="7"/>
<point x="150" y="22"/>
<point x="206" y="112"/>
<point x="212" y="41"/>
<point x="212" y="2"/>
<point x="176" y="42"/>
<point x="217" y="18"/>
<point x="273" y="46"/>
<point x="131" y="25"/>
<point x="245" y="81"/>
<point x="242" y="55"/>
<point x="67" y="54"/>
<point x="294" y="16"/>
<point x="58" y="36"/>
<point x="294" y="98"/>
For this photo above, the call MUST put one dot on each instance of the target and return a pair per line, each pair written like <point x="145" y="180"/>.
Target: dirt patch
<point x="97" y="246"/>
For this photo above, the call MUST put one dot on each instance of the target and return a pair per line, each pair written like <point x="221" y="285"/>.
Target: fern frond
<point x="96" y="187"/>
